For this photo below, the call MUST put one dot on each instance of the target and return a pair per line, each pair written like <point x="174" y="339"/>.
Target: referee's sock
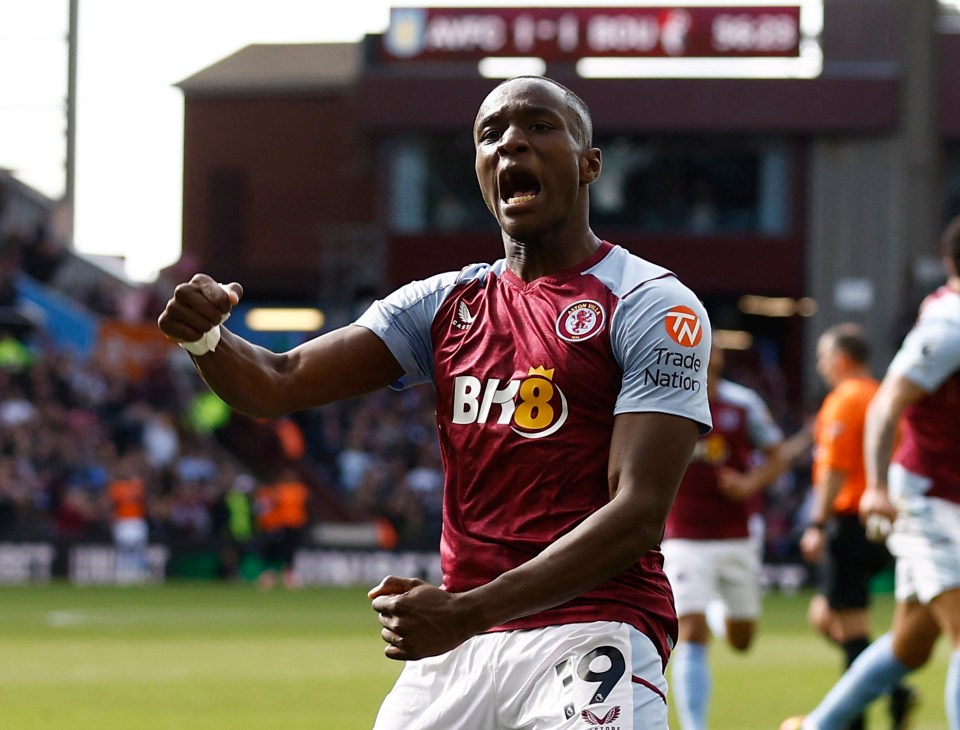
<point x="875" y="672"/>
<point x="691" y="684"/>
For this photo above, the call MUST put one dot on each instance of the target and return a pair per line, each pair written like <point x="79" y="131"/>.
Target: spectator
<point x="283" y="514"/>
<point x="127" y="496"/>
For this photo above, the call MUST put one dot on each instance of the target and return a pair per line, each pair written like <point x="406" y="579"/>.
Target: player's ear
<point x="590" y="164"/>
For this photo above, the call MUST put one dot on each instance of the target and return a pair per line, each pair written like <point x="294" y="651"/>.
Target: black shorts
<point x="849" y="562"/>
<point x="279" y="546"/>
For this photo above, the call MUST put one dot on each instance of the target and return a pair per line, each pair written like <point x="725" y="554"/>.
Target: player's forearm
<point x="343" y="363"/>
<point x="247" y="377"/>
<point x="826" y="491"/>
<point x="768" y="471"/>
<point x="606" y="544"/>
<point x="880" y="432"/>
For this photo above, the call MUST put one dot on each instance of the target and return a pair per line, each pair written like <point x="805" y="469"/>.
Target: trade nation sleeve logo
<point x="683" y="326"/>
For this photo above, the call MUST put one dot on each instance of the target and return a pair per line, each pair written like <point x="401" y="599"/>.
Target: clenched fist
<point x="197" y="306"/>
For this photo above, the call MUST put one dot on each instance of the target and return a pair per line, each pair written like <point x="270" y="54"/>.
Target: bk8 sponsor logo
<point x="533" y="406"/>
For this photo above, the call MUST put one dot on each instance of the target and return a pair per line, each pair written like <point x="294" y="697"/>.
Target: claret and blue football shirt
<point x="529" y="377"/>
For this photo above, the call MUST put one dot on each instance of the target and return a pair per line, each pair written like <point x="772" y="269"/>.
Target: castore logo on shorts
<point x="601" y="723"/>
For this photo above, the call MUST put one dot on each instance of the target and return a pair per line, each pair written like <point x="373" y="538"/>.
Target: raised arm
<point x="649" y="453"/>
<point x="896" y="393"/>
<point x="340" y="364"/>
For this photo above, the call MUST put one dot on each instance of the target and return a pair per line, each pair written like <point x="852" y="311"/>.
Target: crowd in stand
<point x="71" y="429"/>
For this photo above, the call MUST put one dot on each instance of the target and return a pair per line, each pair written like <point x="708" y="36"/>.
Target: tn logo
<point x="533" y="407"/>
<point x="683" y="326"/>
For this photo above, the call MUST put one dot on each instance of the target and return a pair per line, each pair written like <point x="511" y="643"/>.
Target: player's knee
<point x="740" y="636"/>
<point x="912" y="654"/>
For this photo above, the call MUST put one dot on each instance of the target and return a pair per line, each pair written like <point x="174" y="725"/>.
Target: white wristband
<point x="207" y="343"/>
<point x="210" y="339"/>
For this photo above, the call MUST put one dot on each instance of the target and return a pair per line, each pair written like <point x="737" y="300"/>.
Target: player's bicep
<point x="896" y="393"/>
<point x="649" y="453"/>
<point x="344" y="363"/>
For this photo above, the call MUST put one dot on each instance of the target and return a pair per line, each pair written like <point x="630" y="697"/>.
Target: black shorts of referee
<point x="850" y="561"/>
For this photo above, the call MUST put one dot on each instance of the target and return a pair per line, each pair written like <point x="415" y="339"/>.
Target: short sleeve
<point x="763" y="429"/>
<point x="929" y="355"/>
<point x="661" y="339"/>
<point x="403" y="321"/>
<point x="840" y="442"/>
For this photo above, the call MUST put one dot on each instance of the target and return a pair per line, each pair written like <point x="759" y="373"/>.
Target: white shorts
<point x="701" y="571"/>
<point x="925" y="539"/>
<point x="130" y="533"/>
<point x="599" y="674"/>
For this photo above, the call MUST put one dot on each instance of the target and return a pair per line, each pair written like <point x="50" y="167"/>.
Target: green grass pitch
<point x="205" y="656"/>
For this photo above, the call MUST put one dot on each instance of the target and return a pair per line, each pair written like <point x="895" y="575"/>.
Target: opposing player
<point x="920" y="491"/>
<point x="707" y="550"/>
<point x="835" y="540"/>
<point x="570" y="390"/>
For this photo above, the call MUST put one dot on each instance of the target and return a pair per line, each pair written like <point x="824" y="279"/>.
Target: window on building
<point x="433" y="186"/>
<point x="951" y="180"/>
<point x="693" y="186"/>
<point x="657" y="184"/>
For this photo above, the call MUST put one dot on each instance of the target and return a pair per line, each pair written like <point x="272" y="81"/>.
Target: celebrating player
<point x="570" y="390"/>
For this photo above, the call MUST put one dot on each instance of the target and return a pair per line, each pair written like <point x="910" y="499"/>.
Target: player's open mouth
<point x="518" y="187"/>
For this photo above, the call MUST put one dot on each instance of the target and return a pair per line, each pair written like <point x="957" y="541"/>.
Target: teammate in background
<point x="835" y="539"/>
<point x="707" y="550"/>
<point x="570" y="389"/>
<point x="920" y="393"/>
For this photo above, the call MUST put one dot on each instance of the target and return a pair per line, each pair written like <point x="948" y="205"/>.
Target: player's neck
<point x="546" y="255"/>
<point x="855" y="373"/>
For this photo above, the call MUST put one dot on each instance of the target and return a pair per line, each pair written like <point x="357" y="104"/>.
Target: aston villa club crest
<point x="405" y="36"/>
<point x="581" y="321"/>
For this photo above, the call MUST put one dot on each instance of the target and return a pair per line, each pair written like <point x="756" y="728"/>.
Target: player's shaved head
<point x="582" y="115"/>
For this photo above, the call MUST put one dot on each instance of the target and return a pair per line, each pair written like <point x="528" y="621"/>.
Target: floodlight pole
<point x="71" y="110"/>
<point x="920" y="132"/>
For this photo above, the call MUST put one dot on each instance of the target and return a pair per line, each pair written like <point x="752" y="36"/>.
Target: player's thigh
<point x="739" y="580"/>
<point x="603" y="674"/>
<point x="453" y="691"/>
<point x="946" y="610"/>
<point x="915" y="632"/>
<point x="692" y="566"/>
